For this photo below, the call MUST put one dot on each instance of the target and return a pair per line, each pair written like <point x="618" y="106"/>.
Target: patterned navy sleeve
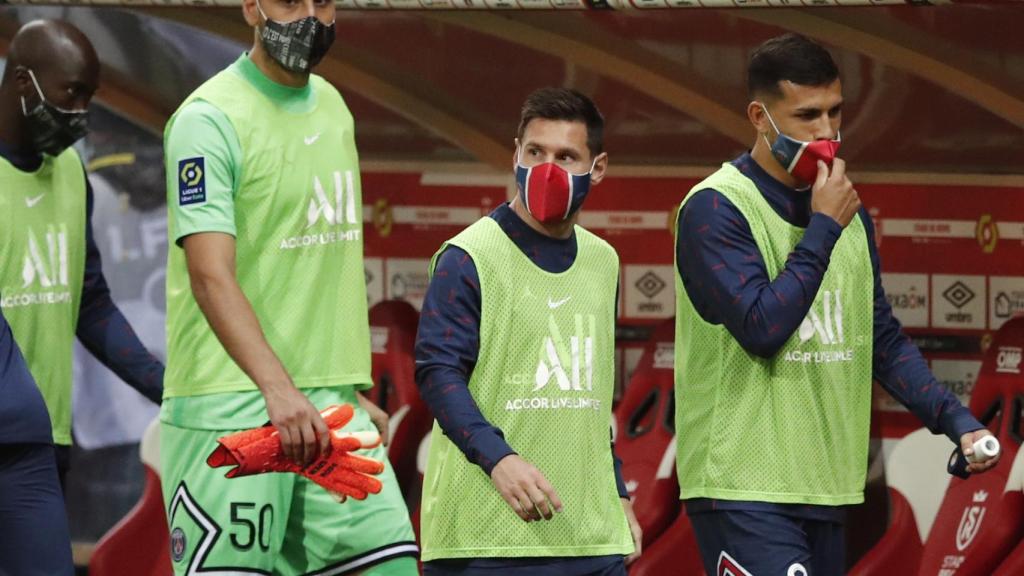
<point x="725" y="276"/>
<point x="105" y="332"/>
<point x="902" y="371"/>
<point x="447" y="347"/>
<point x="620" y="481"/>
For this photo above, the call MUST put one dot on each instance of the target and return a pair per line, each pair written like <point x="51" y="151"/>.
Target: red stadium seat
<point x="917" y="480"/>
<point x="1013" y="565"/>
<point x="393" y="326"/>
<point x="982" y="518"/>
<point x="913" y="479"/>
<point x="139" y="544"/>
<point x="422" y="452"/>
<point x="646" y="442"/>
<point x="645" y="435"/>
<point x="673" y="552"/>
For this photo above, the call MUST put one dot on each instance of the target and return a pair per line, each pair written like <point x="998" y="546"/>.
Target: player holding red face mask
<point x="798" y="157"/>
<point x="781" y="325"/>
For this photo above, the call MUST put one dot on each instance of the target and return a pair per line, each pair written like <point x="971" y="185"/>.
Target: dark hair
<point x="565" y="104"/>
<point x="790" y="57"/>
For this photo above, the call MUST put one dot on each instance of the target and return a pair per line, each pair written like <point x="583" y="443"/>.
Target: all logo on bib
<point x="191" y="181"/>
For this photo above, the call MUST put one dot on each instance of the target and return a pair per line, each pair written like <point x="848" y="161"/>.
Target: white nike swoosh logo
<point x="30" y="202"/>
<point x="553" y="305"/>
<point x="310" y="139"/>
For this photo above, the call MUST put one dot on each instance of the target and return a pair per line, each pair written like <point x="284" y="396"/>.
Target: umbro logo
<point x="650" y="284"/>
<point x="958" y="294"/>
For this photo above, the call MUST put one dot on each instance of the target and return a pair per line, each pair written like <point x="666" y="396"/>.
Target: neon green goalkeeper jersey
<point x="791" y="429"/>
<point x="286" y="186"/>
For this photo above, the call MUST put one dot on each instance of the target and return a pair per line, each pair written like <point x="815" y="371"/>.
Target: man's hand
<point x="304" y="436"/>
<point x="211" y="269"/>
<point x="379" y="417"/>
<point x="525" y="489"/>
<point x="634" y="529"/>
<point x="833" y="194"/>
<point x="967" y="447"/>
<point x="341" y="471"/>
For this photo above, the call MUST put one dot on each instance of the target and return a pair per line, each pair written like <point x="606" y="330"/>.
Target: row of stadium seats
<point x="645" y="440"/>
<point x="970" y="527"/>
<point x="940" y="525"/>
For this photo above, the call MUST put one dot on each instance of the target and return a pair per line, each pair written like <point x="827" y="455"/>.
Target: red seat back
<point x="393" y="325"/>
<point x="899" y="550"/>
<point x="422" y="452"/>
<point x="1013" y="565"/>
<point x="982" y="518"/>
<point x="917" y="481"/>
<point x="138" y="545"/>
<point x="645" y="435"/>
<point x="674" y="552"/>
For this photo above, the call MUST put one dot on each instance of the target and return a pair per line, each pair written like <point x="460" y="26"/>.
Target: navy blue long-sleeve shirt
<point x="23" y="415"/>
<point x="719" y="261"/>
<point x="102" y="328"/>
<point x="105" y="332"/>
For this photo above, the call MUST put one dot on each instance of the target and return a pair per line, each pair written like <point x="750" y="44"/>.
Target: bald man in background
<point x="51" y="280"/>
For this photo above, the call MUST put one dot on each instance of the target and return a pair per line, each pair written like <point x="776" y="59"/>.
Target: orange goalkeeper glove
<point x="340" y="471"/>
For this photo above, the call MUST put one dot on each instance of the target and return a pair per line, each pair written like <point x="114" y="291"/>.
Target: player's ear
<point x="600" y="169"/>
<point x="251" y="12"/>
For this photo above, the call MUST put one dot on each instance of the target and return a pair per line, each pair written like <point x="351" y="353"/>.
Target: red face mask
<point x="550" y="193"/>
<point x="800" y="158"/>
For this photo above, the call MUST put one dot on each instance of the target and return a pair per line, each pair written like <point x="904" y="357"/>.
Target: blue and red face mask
<point x="550" y="193"/>
<point x="798" y="157"/>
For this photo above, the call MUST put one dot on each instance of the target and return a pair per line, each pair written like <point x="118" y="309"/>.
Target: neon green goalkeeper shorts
<point x="278" y="523"/>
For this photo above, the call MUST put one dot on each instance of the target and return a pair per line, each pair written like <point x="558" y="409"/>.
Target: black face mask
<point x="53" y="129"/>
<point x="297" y="46"/>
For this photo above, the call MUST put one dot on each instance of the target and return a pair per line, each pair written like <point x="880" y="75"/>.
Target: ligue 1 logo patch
<point x="177" y="544"/>
<point x="191" y="181"/>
